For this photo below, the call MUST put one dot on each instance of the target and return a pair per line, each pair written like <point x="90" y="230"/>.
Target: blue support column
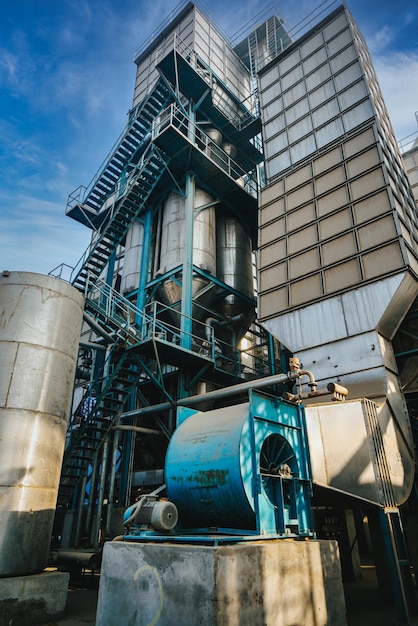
<point x="145" y="260"/>
<point x="271" y="355"/>
<point x="110" y="269"/>
<point x="124" y="469"/>
<point x="187" y="277"/>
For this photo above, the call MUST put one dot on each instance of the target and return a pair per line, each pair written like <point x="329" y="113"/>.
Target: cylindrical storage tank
<point x="215" y="135"/>
<point x="40" y="327"/>
<point x="215" y="152"/>
<point x="132" y="257"/>
<point x="173" y="242"/>
<point x="230" y="149"/>
<point x="234" y="267"/>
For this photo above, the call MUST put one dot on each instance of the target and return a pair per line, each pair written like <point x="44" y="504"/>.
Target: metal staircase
<point x="127" y="150"/>
<point x="132" y="195"/>
<point x="87" y="439"/>
<point x="84" y="472"/>
<point x="90" y="430"/>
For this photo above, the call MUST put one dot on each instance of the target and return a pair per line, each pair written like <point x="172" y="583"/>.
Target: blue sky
<point x="66" y="84"/>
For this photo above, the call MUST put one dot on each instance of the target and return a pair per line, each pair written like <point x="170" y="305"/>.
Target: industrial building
<point x="242" y="396"/>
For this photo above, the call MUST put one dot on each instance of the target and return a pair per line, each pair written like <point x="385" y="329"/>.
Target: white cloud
<point x="397" y="74"/>
<point x="36" y="236"/>
<point x="8" y="65"/>
<point x="381" y="39"/>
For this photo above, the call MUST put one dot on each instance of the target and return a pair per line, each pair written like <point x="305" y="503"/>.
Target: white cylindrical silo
<point x="132" y="257"/>
<point x="173" y="242"/>
<point x="40" y="322"/>
<point x="234" y="268"/>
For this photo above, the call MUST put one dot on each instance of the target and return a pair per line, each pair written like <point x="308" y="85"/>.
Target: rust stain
<point x="211" y="478"/>
<point x="205" y="478"/>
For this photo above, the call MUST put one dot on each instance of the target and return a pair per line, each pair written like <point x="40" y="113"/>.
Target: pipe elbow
<point x="312" y="382"/>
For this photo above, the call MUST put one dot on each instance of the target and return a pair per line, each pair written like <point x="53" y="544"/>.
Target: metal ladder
<point x="404" y="591"/>
<point x="132" y="196"/>
<point x="253" y="53"/>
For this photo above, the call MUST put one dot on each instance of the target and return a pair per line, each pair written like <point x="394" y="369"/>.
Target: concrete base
<point x="276" y="582"/>
<point x="34" y="599"/>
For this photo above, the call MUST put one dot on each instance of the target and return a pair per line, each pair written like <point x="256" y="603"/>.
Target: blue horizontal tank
<point x="242" y="467"/>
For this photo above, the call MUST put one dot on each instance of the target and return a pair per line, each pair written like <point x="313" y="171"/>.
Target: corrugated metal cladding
<point x="337" y="210"/>
<point x="410" y="160"/>
<point x="193" y="32"/>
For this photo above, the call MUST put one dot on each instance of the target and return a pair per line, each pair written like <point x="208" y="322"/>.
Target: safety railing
<point x="250" y="359"/>
<point x="409" y="142"/>
<point x="240" y="113"/>
<point x="201" y="339"/>
<point x="168" y="20"/>
<point x="173" y="116"/>
<point x="116" y="309"/>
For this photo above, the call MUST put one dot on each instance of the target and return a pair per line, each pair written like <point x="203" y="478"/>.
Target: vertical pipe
<point x="112" y="475"/>
<point x="157" y="250"/>
<point x="92" y="494"/>
<point x="110" y="268"/>
<point x="187" y="278"/>
<point x="130" y="467"/>
<point x="272" y="356"/>
<point x="145" y="259"/>
<point x="125" y="464"/>
<point x="96" y="526"/>
<point x="80" y="509"/>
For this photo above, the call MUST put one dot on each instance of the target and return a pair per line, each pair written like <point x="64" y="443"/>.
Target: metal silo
<point x="172" y="244"/>
<point x="40" y="322"/>
<point x="234" y="268"/>
<point x="132" y="258"/>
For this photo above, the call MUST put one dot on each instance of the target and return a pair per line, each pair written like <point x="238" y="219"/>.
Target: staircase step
<point x="95" y="262"/>
<point x="82" y="457"/>
<point x="76" y="473"/>
<point x="105" y="188"/>
<point x="83" y="446"/>
<point x="104" y="248"/>
<point x="110" y="410"/>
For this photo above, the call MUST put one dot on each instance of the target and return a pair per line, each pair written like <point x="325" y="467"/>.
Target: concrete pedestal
<point x="34" y="599"/>
<point x="266" y="583"/>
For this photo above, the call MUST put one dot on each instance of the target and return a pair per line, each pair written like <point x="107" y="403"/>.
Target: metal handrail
<point x="172" y="332"/>
<point x="59" y="270"/>
<point x="175" y="117"/>
<point x="117" y="308"/>
<point x="123" y="188"/>
<point x="171" y="16"/>
<point x="408" y="142"/>
<point x="82" y="192"/>
<point x="249" y="106"/>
